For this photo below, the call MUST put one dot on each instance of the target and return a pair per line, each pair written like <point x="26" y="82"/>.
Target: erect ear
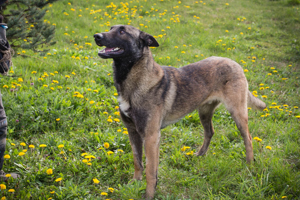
<point x="149" y="40"/>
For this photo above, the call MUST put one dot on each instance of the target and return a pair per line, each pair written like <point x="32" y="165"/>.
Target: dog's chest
<point x="123" y="105"/>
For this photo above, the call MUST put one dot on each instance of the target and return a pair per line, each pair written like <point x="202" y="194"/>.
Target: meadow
<point x="65" y="137"/>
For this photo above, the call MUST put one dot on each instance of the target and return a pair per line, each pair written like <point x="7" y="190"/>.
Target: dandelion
<point x="117" y="120"/>
<point x="7" y="156"/>
<point x="109" y="120"/>
<point x="11" y="190"/>
<point x="257" y="139"/>
<point x="21" y="154"/>
<point x="31" y="146"/>
<point x="58" y="179"/>
<point x="43" y="145"/>
<point x="111" y="189"/>
<point x="52" y="192"/>
<point x="58" y="119"/>
<point x="104" y="194"/>
<point x="85" y="161"/>
<point x="92" y="102"/>
<point x="2" y="187"/>
<point x="23" y="144"/>
<point x="246" y="70"/>
<point x="268" y="147"/>
<point x="106" y="145"/>
<point x="96" y="181"/>
<point x="60" y="146"/>
<point x="284" y="197"/>
<point x="49" y="171"/>
<point x="3" y="198"/>
<point x="109" y="152"/>
<point x="125" y="132"/>
<point x="12" y="144"/>
<point x="184" y="148"/>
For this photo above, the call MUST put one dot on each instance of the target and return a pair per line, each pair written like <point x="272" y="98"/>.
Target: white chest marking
<point x="124" y="105"/>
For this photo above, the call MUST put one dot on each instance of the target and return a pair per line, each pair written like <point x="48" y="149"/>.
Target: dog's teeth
<point x="116" y="49"/>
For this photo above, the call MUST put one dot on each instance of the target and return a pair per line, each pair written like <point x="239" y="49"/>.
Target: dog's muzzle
<point x="98" y="37"/>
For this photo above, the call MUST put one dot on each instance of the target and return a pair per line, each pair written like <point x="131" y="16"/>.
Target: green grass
<point x="67" y="97"/>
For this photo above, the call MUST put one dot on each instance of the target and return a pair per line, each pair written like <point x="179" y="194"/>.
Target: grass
<point x="63" y="105"/>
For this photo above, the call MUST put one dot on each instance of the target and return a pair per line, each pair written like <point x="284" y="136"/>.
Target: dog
<point x="151" y="96"/>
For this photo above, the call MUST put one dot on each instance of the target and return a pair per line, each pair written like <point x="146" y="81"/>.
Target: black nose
<point x="98" y="36"/>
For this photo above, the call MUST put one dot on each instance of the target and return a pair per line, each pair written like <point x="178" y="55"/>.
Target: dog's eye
<point x="122" y="31"/>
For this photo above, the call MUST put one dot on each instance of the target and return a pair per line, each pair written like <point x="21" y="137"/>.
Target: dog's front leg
<point x="136" y="142"/>
<point x="152" y="140"/>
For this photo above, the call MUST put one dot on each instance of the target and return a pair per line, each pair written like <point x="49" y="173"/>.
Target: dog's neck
<point x="122" y="67"/>
<point x="143" y="68"/>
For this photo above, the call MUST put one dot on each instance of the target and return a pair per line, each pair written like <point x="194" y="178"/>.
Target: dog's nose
<point x="98" y="36"/>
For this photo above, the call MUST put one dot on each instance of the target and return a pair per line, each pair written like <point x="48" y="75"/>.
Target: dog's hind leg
<point x="237" y="106"/>
<point x="206" y="113"/>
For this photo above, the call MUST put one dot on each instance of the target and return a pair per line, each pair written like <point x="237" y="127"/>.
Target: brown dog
<point x="152" y="96"/>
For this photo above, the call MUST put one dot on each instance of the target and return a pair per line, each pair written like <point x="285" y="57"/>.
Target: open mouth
<point x="110" y="51"/>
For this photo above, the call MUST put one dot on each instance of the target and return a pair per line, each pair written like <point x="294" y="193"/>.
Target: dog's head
<point x="123" y="41"/>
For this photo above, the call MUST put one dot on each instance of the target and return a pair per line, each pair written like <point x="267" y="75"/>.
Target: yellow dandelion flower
<point x="85" y="161"/>
<point x="104" y="194"/>
<point x="11" y="190"/>
<point x="60" y="146"/>
<point x="7" y="156"/>
<point x="49" y="171"/>
<point x="184" y="148"/>
<point x="43" y="145"/>
<point x="106" y="145"/>
<point x="268" y="147"/>
<point x="31" y="146"/>
<point x="23" y="144"/>
<point x="111" y="189"/>
<point x="109" y="152"/>
<point x="58" y="179"/>
<point x="58" y="119"/>
<point x="96" y="181"/>
<point x="2" y="187"/>
<point x="21" y="154"/>
<point x="257" y="139"/>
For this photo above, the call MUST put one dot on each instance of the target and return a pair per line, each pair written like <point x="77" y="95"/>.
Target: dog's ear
<point x="149" y="40"/>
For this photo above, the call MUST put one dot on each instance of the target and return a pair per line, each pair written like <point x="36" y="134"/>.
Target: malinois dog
<point x="152" y="96"/>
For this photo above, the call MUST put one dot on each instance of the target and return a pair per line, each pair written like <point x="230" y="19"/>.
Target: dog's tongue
<point x="108" y="49"/>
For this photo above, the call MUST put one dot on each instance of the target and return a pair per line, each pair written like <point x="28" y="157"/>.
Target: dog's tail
<point x="255" y="103"/>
